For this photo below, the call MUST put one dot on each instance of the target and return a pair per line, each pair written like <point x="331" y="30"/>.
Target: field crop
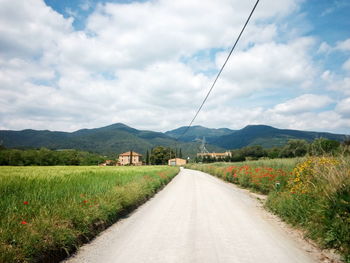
<point x="313" y="193"/>
<point x="46" y="212"/>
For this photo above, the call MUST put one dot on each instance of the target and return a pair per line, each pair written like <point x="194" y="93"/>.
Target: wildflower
<point x="23" y="223"/>
<point x="25" y="202"/>
<point x="85" y="201"/>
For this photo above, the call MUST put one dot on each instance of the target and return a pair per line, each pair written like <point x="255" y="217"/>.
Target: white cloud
<point x="267" y="66"/>
<point x="324" y="48"/>
<point x="336" y="83"/>
<point x="31" y="29"/>
<point x="313" y="121"/>
<point x="303" y="103"/>
<point x="346" y="65"/>
<point x="86" y="5"/>
<point x="150" y="64"/>
<point x="343" y="107"/>
<point x="343" y="45"/>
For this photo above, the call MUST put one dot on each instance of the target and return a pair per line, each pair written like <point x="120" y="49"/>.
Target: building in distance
<point x="177" y="161"/>
<point x="130" y="158"/>
<point x="215" y="155"/>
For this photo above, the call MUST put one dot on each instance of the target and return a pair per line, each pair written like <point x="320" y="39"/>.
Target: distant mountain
<point x="108" y="140"/>
<point x="118" y="138"/>
<point x="268" y="136"/>
<point x="198" y="132"/>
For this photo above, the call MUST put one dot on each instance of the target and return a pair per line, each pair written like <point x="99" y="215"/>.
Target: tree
<point x="255" y="151"/>
<point x="130" y="157"/>
<point x="180" y="153"/>
<point x="45" y="156"/>
<point x="147" y="157"/>
<point x="237" y="156"/>
<point x="273" y="153"/>
<point x="294" y="148"/>
<point x="345" y="146"/>
<point x="322" y="146"/>
<point x="161" y="155"/>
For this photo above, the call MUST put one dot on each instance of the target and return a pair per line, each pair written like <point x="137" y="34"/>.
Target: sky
<point x="72" y="64"/>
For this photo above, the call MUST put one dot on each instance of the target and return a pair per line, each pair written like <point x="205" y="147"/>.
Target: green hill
<point x="117" y="138"/>
<point x="198" y="132"/>
<point x="109" y="140"/>
<point x="268" y="136"/>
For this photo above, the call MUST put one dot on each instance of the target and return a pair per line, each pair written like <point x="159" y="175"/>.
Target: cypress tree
<point x="147" y="157"/>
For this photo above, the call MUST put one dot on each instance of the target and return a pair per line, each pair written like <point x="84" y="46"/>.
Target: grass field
<point x="261" y="175"/>
<point x="46" y="212"/>
<point x="312" y="193"/>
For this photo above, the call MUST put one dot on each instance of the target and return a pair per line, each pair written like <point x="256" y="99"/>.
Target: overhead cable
<point x="219" y="73"/>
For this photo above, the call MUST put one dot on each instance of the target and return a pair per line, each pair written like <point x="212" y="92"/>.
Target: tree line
<point x="293" y="148"/>
<point x="47" y="157"/>
<point x="160" y="155"/>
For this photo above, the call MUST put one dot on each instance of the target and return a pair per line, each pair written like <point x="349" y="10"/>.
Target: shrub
<point x="317" y="197"/>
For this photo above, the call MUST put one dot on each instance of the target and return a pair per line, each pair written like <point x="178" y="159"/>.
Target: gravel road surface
<point x="195" y="218"/>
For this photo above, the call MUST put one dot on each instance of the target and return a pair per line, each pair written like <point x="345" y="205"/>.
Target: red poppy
<point x="25" y="202"/>
<point x="23" y="223"/>
<point x="85" y="201"/>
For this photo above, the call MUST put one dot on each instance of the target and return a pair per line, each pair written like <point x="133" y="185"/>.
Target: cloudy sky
<point x="72" y="64"/>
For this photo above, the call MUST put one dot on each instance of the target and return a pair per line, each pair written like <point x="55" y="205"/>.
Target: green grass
<point x="261" y="176"/>
<point x="312" y="193"/>
<point x="281" y="163"/>
<point x="46" y="212"/>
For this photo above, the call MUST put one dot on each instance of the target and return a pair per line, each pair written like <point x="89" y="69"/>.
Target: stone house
<point x="130" y="158"/>
<point x="177" y="161"/>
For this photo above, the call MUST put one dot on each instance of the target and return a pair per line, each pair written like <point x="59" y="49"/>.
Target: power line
<point x="218" y="75"/>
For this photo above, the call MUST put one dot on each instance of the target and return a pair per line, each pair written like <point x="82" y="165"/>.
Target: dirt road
<point x="196" y="218"/>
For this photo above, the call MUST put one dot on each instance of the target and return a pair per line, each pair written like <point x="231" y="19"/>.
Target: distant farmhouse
<point x="130" y="158"/>
<point x="177" y="161"/>
<point x="215" y="155"/>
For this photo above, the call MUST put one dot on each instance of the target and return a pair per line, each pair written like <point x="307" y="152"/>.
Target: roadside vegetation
<point x="312" y="192"/>
<point x="47" y="212"/>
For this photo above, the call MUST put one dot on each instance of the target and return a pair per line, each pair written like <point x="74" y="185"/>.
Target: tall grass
<point x="262" y="175"/>
<point x="279" y="163"/>
<point x="318" y="199"/>
<point x="46" y="212"/>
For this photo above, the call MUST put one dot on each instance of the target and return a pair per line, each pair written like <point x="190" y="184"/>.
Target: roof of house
<point x="128" y="154"/>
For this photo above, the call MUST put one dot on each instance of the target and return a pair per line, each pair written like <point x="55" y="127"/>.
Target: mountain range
<point x="116" y="138"/>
